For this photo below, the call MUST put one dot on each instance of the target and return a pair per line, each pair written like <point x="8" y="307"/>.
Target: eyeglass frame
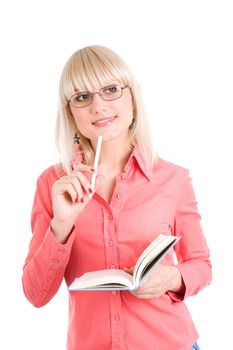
<point x="98" y="93"/>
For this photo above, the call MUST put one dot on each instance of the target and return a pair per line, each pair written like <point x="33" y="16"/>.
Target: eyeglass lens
<point x="109" y="93"/>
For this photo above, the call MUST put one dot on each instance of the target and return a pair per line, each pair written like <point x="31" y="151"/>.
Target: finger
<point x="156" y="292"/>
<point x="84" y="182"/>
<point x="148" y="286"/>
<point x="141" y="296"/>
<point x="129" y="269"/>
<point x="68" y="189"/>
<point x="83" y="167"/>
<point x="145" y="296"/>
<point x="74" y="181"/>
<point x="145" y="291"/>
<point x="80" y="183"/>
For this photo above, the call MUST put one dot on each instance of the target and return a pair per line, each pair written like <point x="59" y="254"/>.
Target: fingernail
<point x="76" y="200"/>
<point x="90" y="190"/>
<point x="82" y="200"/>
<point x="92" y="169"/>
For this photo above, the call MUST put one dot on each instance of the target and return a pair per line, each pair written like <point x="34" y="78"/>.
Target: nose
<point x="97" y="103"/>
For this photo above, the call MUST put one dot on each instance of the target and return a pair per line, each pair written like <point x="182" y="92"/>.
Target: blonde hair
<point x="88" y="68"/>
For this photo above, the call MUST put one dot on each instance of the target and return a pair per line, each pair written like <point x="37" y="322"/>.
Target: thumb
<point x="129" y="269"/>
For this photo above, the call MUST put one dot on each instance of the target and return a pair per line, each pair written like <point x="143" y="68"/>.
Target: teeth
<point x="104" y="121"/>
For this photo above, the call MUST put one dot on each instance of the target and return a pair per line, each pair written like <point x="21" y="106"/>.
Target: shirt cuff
<point x="191" y="281"/>
<point x="52" y="248"/>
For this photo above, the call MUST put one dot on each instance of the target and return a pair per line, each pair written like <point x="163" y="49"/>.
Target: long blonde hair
<point x="88" y="68"/>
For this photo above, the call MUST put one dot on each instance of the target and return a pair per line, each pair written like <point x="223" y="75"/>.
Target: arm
<point x="192" y="250"/>
<point x="47" y="258"/>
<point x="193" y="271"/>
<point x="57" y="204"/>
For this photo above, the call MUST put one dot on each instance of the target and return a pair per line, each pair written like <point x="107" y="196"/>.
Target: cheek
<point x="79" y="119"/>
<point x="127" y="112"/>
<point x="83" y="128"/>
<point x="129" y="105"/>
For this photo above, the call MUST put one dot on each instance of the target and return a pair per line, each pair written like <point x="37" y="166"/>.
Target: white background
<point x="181" y="53"/>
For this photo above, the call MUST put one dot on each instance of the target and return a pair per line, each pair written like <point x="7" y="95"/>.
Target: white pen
<point x="96" y="161"/>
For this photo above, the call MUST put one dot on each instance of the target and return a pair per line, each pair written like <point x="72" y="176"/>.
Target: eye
<point x="111" y="89"/>
<point x="81" y="97"/>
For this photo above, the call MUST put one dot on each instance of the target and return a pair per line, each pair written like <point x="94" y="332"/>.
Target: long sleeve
<point x="145" y="202"/>
<point x="192" y="251"/>
<point x="47" y="259"/>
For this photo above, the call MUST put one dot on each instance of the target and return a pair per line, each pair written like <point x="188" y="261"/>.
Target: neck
<point x="114" y="154"/>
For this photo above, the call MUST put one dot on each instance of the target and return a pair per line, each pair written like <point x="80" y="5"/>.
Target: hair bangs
<point x="91" y="70"/>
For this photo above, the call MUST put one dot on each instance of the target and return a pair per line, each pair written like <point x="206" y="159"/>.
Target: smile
<point x="104" y="121"/>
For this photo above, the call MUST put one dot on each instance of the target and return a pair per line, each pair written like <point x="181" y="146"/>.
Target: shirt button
<point x="110" y="242"/>
<point x="118" y="195"/>
<point x="56" y="261"/>
<point x="116" y="317"/>
<point x="113" y="266"/>
<point x="114" y="293"/>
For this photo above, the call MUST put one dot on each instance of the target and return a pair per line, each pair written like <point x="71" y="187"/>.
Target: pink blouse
<point x="146" y="201"/>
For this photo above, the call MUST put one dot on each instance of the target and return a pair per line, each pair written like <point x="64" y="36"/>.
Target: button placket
<point x="118" y="197"/>
<point x="112" y="262"/>
<point x="117" y="317"/>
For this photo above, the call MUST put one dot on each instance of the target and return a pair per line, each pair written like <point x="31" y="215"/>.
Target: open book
<point x="121" y="280"/>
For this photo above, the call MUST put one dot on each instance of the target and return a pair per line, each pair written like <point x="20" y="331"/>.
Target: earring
<point x="76" y="139"/>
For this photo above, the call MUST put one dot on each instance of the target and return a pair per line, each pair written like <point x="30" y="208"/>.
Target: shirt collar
<point x="136" y="155"/>
<point x="145" y="167"/>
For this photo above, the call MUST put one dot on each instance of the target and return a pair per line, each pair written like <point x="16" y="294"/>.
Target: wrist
<point x="61" y="230"/>
<point x="177" y="283"/>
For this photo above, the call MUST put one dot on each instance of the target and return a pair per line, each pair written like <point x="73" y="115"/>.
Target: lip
<point x="104" y="121"/>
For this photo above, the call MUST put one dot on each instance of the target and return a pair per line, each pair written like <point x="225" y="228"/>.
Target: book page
<point x="155" y="243"/>
<point x="103" y="279"/>
<point x="152" y="255"/>
<point x="145" y="270"/>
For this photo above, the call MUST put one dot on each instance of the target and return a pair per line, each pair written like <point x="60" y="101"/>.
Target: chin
<point x="115" y="135"/>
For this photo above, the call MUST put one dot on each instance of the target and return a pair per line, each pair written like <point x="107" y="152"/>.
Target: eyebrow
<point x="114" y="82"/>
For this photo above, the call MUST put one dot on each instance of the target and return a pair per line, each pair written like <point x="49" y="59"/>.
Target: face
<point x="111" y="119"/>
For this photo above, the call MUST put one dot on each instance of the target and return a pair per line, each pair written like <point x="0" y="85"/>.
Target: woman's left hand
<point x="164" y="278"/>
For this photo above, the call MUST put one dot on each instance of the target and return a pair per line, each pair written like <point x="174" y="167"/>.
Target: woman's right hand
<point x="70" y="195"/>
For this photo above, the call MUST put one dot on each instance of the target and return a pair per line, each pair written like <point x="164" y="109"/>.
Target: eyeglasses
<point x="107" y="93"/>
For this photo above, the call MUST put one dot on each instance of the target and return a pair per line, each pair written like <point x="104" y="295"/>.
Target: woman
<point x="137" y="196"/>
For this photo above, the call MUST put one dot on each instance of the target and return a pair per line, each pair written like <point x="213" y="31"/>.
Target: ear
<point x="132" y="125"/>
<point x="69" y="112"/>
